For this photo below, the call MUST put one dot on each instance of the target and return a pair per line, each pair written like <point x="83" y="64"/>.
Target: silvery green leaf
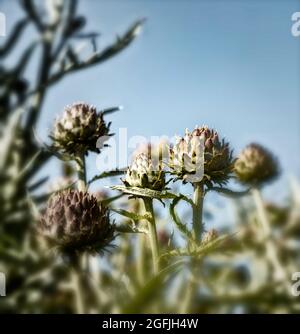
<point x="198" y="251"/>
<point x="131" y="215"/>
<point x="228" y="192"/>
<point x="129" y="228"/>
<point x="145" y="192"/>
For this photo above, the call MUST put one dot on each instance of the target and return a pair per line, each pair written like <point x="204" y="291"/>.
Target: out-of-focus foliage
<point x="59" y="29"/>
<point x="244" y="267"/>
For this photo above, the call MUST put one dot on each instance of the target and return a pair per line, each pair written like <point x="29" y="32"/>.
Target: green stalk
<point x="81" y="170"/>
<point x="76" y="284"/>
<point x="189" y="292"/>
<point x="140" y="263"/>
<point x="77" y="272"/>
<point x="198" y="210"/>
<point x="152" y="234"/>
<point x="192" y="285"/>
<point x="77" y="262"/>
<point x="271" y="251"/>
<point x="141" y="254"/>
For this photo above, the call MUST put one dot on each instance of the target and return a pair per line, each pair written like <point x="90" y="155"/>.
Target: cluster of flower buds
<point x="198" y="156"/>
<point x="256" y="166"/>
<point x="78" y="130"/>
<point x="76" y="222"/>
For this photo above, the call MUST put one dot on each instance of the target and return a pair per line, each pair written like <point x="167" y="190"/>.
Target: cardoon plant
<point x="144" y="173"/>
<point x="203" y="160"/>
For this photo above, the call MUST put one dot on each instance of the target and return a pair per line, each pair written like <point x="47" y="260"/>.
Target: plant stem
<point x="141" y="259"/>
<point x="76" y="282"/>
<point x="271" y="251"/>
<point x="197" y="210"/>
<point x="152" y="234"/>
<point x="197" y="234"/>
<point x="190" y="288"/>
<point x="81" y="169"/>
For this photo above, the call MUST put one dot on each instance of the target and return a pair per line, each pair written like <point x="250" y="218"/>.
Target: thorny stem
<point x="197" y="210"/>
<point x="271" y="252"/>
<point x="152" y="234"/>
<point x="81" y="169"/>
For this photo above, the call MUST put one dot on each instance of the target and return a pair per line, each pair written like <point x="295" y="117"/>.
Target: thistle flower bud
<point x="75" y="222"/>
<point x="218" y="160"/>
<point x="256" y="165"/>
<point x="144" y="174"/>
<point x="187" y="158"/>
<point x="202" y="153"/>
<point x="78" y="130"/>
<point x="209" y="236"/>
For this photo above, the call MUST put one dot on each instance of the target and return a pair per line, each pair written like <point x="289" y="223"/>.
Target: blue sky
<point x="232" y="65"/>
